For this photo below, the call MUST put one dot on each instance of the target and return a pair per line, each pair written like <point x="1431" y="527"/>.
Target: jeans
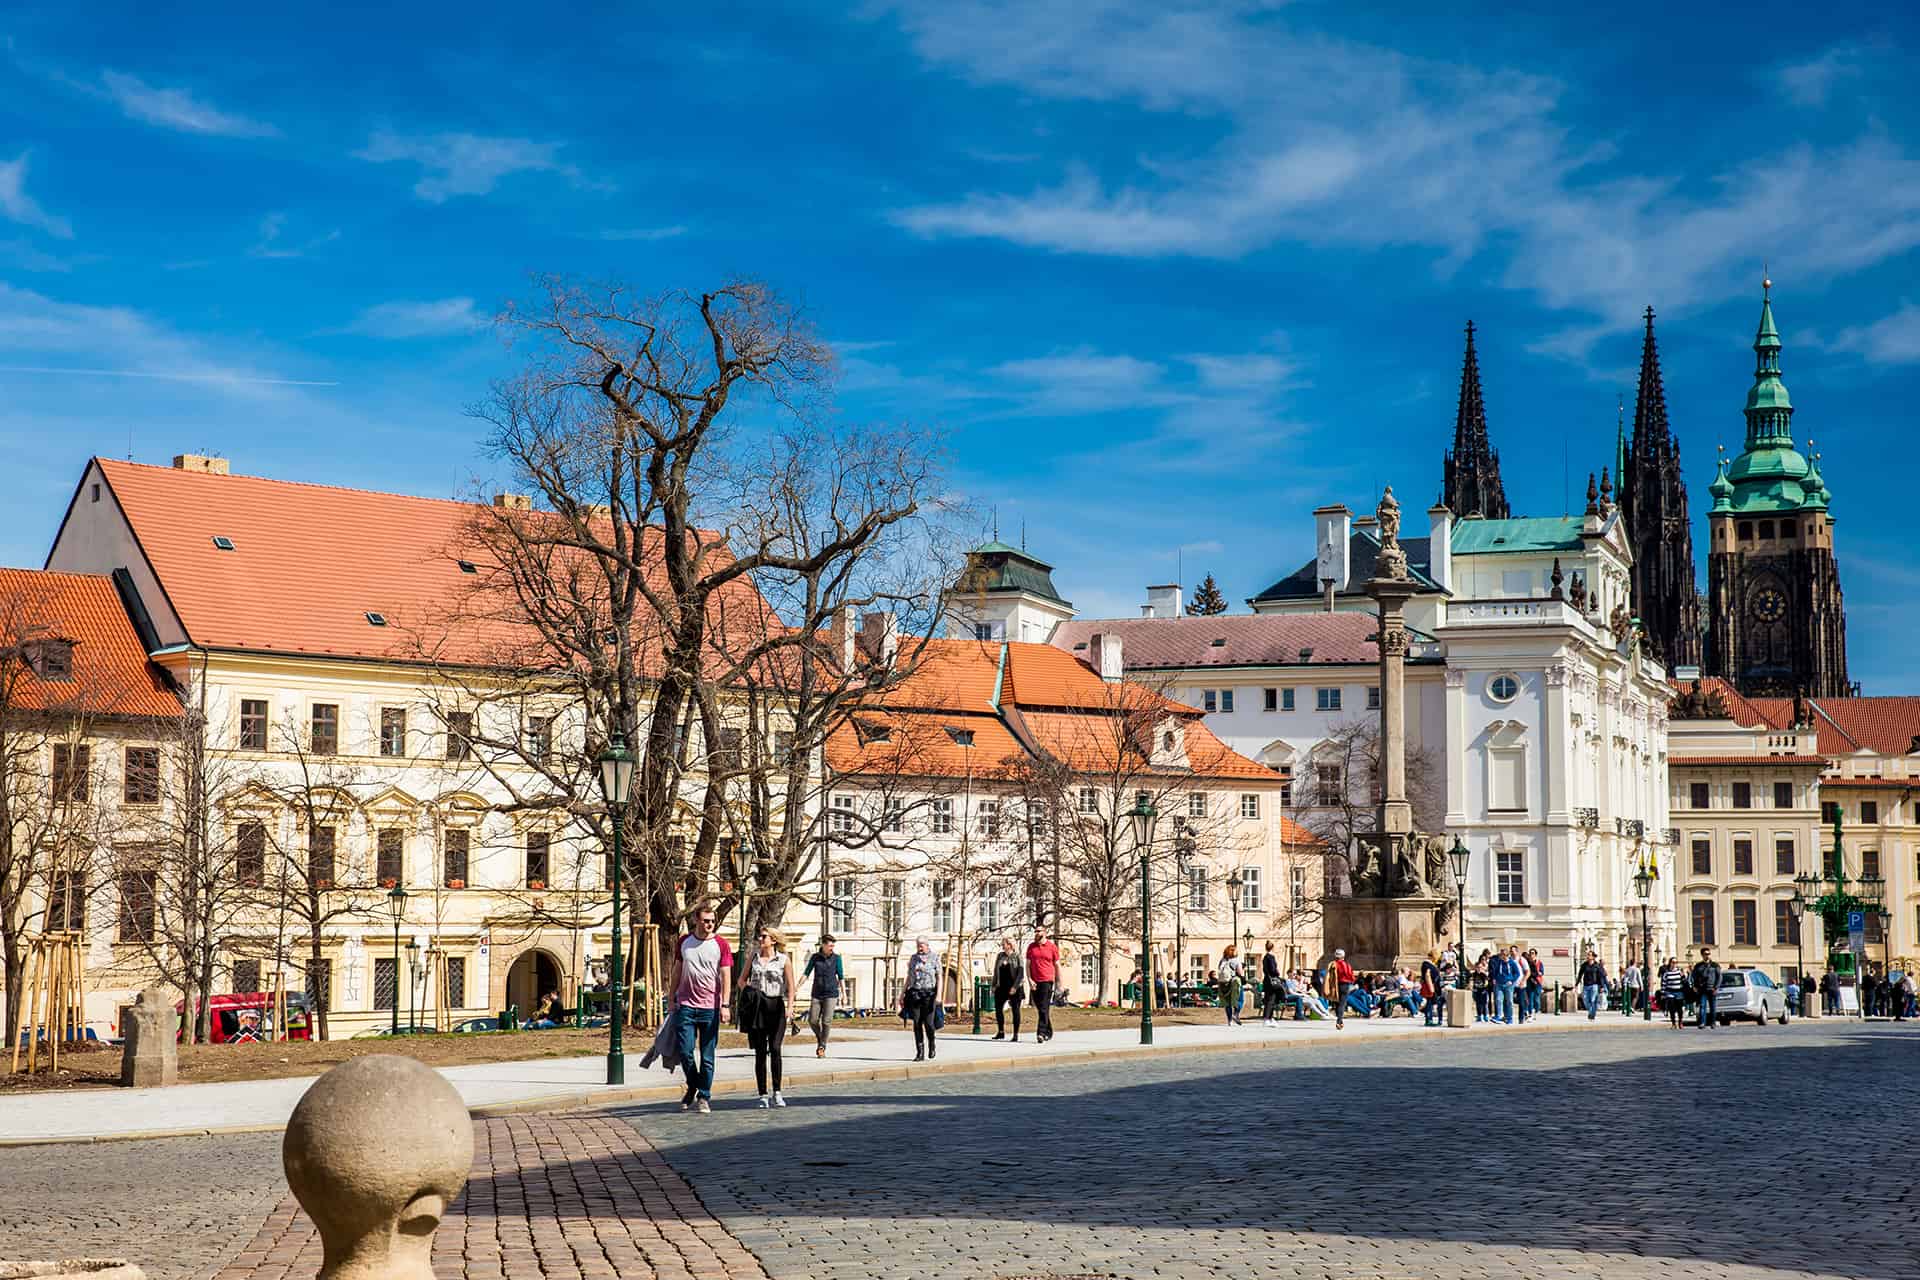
<point x="1709" y="1007"/>
<point x="699" y="1034"/>
<point x="1340" y="1006"/>
<point x="820" y="1018"/>
<point x="1357" y="1000"/>
<point x="1593" y="995"/>
<point x="1043" y="1010"/>
<point x="1503" y="1002"/>
<point x="1298" y="1003"/>
<point x="1436" y="1008"/>
<point x="1480" y="1004"/>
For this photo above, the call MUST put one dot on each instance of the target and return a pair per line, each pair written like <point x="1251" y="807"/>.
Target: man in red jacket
<point x="1343" y="980"/>
<point x="1043" y="970"/>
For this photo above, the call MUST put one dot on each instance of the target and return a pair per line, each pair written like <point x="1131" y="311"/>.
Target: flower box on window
<point x="536" y="884"/>
<point x="390" y="882"/>
<point x="456" y="883"/>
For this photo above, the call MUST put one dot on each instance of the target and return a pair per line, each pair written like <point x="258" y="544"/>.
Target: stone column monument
<point x="1390" y="921"/>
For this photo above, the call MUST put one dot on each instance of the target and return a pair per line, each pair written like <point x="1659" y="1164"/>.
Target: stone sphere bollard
<point x="376" y="1151"/>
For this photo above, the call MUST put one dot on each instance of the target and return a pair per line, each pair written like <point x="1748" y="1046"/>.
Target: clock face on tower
<point x="1768" y="605"/>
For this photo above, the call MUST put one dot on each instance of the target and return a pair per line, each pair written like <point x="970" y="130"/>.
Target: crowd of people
<point x="1507" y="986"/>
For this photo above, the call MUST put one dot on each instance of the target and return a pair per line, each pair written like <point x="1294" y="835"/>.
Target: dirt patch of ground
<point x="98" y="1065"/>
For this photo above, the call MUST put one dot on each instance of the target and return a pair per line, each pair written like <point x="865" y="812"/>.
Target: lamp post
<point x="1461" y="857"/>
<point x="1235" y="881"/>
<point x="397" y="906"/>
<point x="413" y="978"/>
<point x="1643" y="885"/>
<point x="1183" y="871"/>
<point x="1796" y="908"/>
<point x="1142" y="816"/>
<point x="616" y="779"/>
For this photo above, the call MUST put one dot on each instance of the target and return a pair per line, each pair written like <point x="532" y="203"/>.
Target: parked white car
<point x="1749" y="993"/>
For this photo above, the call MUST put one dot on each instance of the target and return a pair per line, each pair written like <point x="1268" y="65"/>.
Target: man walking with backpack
<point x="1706" y="989"/>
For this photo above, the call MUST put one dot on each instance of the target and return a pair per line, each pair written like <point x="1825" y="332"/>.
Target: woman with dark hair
<point x="1271" y="987"/>
<point x="770" y="978"/>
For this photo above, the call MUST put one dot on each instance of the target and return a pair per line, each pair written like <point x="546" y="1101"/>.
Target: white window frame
<point x="893" y="814"/>
<point x="1089" y="801"/>
<point x="1250" y="889"/>
<point x="990" y="905"/>
<point x="940" y="816"/>
<point x="1510" y="877"/>
<point x="1089" y="970"/>
<point x="1196" y="804"/>
<point x="893" y="908"/>
<point x="842" y="903"/>
<point x="1197" y="880"/>
<point x="941" y="891"/>
<point x="1250" y="804"/>
<point x="986" y="815"/>
<point x="841" y="812"/>
<point x="1297" y="882"/>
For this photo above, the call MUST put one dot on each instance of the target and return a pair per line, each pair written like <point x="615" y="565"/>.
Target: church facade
<point x="1776" y="622"/>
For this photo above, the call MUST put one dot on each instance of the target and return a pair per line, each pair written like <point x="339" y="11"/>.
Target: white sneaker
<point x="703" y="1107"/>
<point x="763" y="1102"/>
<point x="778" y="1101"/>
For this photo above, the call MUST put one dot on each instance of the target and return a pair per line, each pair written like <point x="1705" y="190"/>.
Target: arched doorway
<point x="532" y="975"/>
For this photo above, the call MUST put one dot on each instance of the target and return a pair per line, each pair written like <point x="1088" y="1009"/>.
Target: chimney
<point x="842" y="633"/>
<point x="200" y="462"/>
<point x="1440" y="545"/>
<point x="513" y="501"/>
<point x="1163" y="602"/>
<point x="1104" y="651"/>
<point x="880" y="638"/>
<point x="1332" y="534"/>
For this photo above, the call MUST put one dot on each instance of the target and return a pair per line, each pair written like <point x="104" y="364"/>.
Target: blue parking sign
<point x="1856" y="922"/>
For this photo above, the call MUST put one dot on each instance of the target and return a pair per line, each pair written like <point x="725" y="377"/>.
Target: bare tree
<point x="1342" y="797"/>
<point x="52" y="825"/>
<point x="682" y="480"/>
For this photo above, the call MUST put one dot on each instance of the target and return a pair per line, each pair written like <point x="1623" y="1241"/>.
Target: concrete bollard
<point x="1459" y="1007"/>
<point x="375" y="1152"/>
<point x="152" y="1053"/>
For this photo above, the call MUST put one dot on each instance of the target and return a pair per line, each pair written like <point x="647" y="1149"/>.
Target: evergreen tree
<point x="1207" y="600"/>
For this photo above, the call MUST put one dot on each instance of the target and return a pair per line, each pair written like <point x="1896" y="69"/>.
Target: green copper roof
<point x="996" y="567"/>
<point x="1520" y="534"/>
<point x="1770" y="475"/>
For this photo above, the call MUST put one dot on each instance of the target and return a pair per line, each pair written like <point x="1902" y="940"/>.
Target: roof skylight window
<point x="376" y="619"/>
<point x="1220" y="642"/>
<point x="223" y="542"/>
<point x="467" y="566"/>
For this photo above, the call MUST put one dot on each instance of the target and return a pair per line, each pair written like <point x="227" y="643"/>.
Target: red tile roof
<point x="1250" y="640"/>
<point x="1888" y="726"/>
<point x="311" y="561"/>
<point x="110" y="671"/>
<point x="1679" y="761"/>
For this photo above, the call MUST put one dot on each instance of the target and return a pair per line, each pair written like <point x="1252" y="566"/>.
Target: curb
<point x="595" y="1099"/>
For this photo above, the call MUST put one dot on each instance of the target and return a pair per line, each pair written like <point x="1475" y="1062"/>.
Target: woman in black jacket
<point x="1271" y="987"/>
<point x="1009" y="987"/>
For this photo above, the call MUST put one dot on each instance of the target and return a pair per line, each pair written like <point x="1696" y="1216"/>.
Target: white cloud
<point x="462" y="164"/>
<point x="48" y="336"/>
<point x="1323" y="142"/>
<point x="644" y="233"/>
<point x="17" y="206"/>
<point x="1892" y="339"/>
<point x="437" y="318"/>
<point x="1810" y="83"/>
<point x="178" y="109"/>
<point x="272" y="244"/>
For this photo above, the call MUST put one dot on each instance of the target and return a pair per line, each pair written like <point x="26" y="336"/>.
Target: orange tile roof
<point x="1742" y="710"/>
<point x="1049" y="702"/>
<point x="111" y="673"/>
<point x="310" y="561"/>
<point x="1292" y="832"/>
<point x="1887" y="726"/>
<point x="1680" y="761"/>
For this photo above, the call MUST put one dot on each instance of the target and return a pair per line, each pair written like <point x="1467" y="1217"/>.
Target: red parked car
<point x="244" y="1016"/>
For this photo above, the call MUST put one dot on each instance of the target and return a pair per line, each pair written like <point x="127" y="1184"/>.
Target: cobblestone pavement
<point x="179" y="1206"/>
<point x="1628" y="1155"/>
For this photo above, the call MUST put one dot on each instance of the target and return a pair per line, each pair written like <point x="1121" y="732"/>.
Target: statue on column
<point x="1393" y="559"/>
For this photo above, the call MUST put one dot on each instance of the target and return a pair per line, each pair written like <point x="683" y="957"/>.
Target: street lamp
<point x="413" y="978"/>
<point x="1460" y="856"/>
<point x="1796" y="908"/>
<point x="1235" y="880"/>
<point x="616" y="780"/>
<point x="1643" y="885"/>
<point x="1141" y="817"/>
<point x="397" y="906"/>
<point x="1183" y="870"/>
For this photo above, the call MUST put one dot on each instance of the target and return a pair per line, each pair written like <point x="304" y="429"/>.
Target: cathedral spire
<point x="1769" y="410"/>
<point x="1651" y="434"/>
<point x="1472" y="467"/>
<point x="1653" y="503"/>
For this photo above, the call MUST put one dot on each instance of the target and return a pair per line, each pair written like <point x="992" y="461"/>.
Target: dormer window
<point x="222" y="542"/>
<point x="467" y="566"/>
<point x="870" y="732"/>
<point x="51" y="659"/>
<point x="376" y="619"/>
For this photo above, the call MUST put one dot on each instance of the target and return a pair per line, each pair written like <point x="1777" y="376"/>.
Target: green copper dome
<point x="1770" y="475"/>
<point x="1721" y="489"/>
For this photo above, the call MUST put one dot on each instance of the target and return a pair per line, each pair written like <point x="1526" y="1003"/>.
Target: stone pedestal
<point x="1810" y="1006"/>
<point x="1383" y="933"/>
<point x="1459" y="1007"/>
<point x="151" y="1056"/>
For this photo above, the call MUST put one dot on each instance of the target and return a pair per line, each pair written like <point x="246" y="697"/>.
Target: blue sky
<point x="1164" y="278"/>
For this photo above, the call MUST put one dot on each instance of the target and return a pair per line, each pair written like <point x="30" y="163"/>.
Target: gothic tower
<point x="1776" y="623"/>
<point x="1472" y="468"/>
<point x="1653" y="502"/>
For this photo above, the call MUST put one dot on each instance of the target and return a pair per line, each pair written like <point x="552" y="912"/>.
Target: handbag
<point x="939" y="1016"/>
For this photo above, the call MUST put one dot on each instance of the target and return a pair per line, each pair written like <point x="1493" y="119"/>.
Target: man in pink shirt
<point x="1043" y="970"/>
<point x="702" y="963"/>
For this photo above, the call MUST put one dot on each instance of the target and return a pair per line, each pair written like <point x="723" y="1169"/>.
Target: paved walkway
<point x="560" y="1197"/>
<point x="556" y="1083"/>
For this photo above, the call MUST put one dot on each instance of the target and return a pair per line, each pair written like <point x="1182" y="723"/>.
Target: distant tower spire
<point x="1472" y="467"/>
<point x="1653" y="506"/>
